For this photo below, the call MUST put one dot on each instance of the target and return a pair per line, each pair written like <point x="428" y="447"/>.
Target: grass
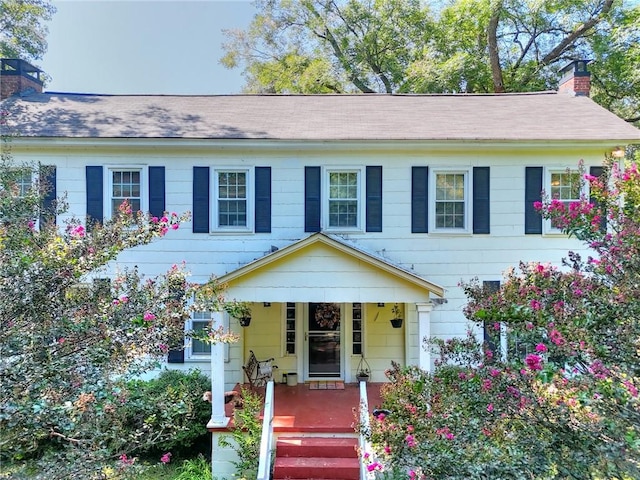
<point x="190" y="469"/>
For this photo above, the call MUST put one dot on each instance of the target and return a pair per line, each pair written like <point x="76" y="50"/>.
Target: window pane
<point x="356" y="326"/>
<point x="343" y="199"/>
<point x="232" y="199"/>
<point x="290" y="325"/>
<point x="198" y="347"/>
<point x="450" y="200"/>
<point x="23" y="183"/>
<point x="125" y="185"/>
<point x="565" y="186"/>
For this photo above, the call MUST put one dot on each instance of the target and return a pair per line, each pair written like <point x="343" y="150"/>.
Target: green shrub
<point x="246" y="435"/>
<point x="194" y="469"/>
<point x="165" y="414"/>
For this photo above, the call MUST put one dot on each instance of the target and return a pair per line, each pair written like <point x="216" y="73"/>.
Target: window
<point x="357" y="329"/>
<point x="232" y="208"/>
<point x="290" y="328"/>
<point x="125" y="184"/>
<point x="197" y="348"/>
<point x="450" y="206"/>
<point x="343" y="199"/>
<point x="24" y="183"/>
<point x="18" y="181"/>
<point x="566" y="186"/>
<point x="231" y="198"/>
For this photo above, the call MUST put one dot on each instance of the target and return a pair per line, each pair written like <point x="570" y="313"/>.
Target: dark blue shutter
<point x="176" y="355"/>
<point x="312" y="199"/>
<point x="419" y="199"/>
<point x="532" y="193"/>
<point x="597" y="172"/>
<point x="157" y="205"/>
<point x="263" y="200"/>
<point x="481" y="203"/>
<point x="95" y="196"/>
<point x="201" y="200"/>
<point x="48" y="182"/>
<point x="374" y="199"/>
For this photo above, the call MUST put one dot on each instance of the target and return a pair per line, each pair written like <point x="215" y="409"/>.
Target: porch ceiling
<point x="324" y="268"/>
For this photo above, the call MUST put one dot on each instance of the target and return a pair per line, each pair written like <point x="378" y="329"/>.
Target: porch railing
<point x="266" y="440"/>
<point x="365" y="446"/>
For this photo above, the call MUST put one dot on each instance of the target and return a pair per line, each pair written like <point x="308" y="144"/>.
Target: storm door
<point x="323" y="353"/>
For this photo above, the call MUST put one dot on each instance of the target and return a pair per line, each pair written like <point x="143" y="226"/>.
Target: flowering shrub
<point x="69" y="341"/>
<point x="563" y="402"/>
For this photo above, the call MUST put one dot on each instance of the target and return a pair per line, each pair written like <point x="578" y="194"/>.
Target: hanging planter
<point x="240" y="311"/>
<point x="396" y="321"/>
<point x="327" y="315"/>
<point x="363" y="370"/>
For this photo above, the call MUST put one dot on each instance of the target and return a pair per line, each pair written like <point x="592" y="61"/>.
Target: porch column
<point x="424" y="331"/>
<point x="218" y="417"/>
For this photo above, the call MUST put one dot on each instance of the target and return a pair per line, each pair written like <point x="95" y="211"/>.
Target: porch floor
<point x="304" y="410"/>
<point x="301" y="409"/>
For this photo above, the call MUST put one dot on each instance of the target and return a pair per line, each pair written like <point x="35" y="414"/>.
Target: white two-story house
<point x="345" y="203"/>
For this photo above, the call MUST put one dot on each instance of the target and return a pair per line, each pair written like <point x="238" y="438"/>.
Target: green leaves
<point x="23" y="28"/>
<point x="564" y="403"/>
<point x="471" y="46"/>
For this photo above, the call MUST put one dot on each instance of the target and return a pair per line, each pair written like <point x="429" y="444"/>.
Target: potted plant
<point x="396" y="321"/>
<point x="239" y="310"/>
<point x="363" y="371"/>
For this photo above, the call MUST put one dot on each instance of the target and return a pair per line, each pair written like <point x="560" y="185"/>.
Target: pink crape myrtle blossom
<point x="541" y="348"/>
<point x="534" y="362"/>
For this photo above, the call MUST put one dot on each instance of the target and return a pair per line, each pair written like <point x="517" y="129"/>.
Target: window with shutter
<point x="231" y="200"/>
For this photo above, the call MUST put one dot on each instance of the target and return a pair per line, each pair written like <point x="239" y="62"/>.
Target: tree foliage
<point x="405" y="46"/>
<point x="563" y="403"/>
<point x="72" y="334"/>
<point x="23" y="28"/>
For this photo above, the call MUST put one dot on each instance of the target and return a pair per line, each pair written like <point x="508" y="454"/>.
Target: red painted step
<point x="316" y="458"/>
<point x="316" y="467"/>
<point x="317" y="447"/>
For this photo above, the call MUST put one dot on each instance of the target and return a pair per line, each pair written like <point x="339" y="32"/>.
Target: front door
<point x="323" y="340"/>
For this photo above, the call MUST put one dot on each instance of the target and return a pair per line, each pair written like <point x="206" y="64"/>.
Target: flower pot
<point x="244" y="322"/>
<point x="362" y="378"/>
<point x="396" y="322"/>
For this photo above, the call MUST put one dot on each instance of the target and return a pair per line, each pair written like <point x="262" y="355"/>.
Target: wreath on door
<point x="327" y="315"/>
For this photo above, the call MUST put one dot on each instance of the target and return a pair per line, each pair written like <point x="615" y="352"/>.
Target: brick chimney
<point x="19" y="77"/>
<point x="576" y="80"/>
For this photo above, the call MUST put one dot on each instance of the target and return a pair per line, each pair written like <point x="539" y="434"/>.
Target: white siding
<point x="442" y="259"/>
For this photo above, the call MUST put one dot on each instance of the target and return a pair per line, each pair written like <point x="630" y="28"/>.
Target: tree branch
<point x="494" y="54"/>
<point x="328" y="36"/>
<point x="578" y="32"/>
<point x="53" y="433"/>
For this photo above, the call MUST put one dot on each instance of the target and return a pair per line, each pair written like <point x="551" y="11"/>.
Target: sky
<point x="142" y="46"/>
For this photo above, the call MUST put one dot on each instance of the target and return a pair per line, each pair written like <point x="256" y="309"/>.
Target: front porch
<point x="303" y="409"/>
<point x="321" y="311"/>
<point x="307" y="419"/>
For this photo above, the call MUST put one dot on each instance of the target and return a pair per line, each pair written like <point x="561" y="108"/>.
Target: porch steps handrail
<point x="365" y="446"/>
<point x="266" y="439"/>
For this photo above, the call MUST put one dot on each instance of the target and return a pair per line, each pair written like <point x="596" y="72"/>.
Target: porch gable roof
<point x="326" y="268"/>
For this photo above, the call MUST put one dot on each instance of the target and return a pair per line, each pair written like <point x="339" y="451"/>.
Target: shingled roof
<point x="506" y="117"/>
